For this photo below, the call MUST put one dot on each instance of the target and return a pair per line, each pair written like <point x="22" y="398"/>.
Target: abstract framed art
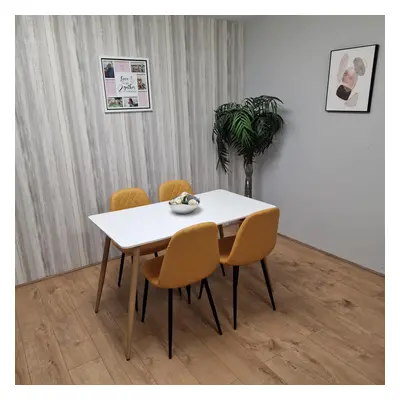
<point x="126" y="84"/>
<point x="351" y="79"/>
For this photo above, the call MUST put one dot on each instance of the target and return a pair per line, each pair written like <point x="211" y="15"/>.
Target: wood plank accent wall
<point x="70" y="155"/>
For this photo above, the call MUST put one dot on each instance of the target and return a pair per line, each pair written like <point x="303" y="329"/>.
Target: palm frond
<point x="248" y="102"/>
<point x="267" y="127"/>
<point x="227" y="107"/>
<point x="222" y="135"/>
<point x="223" y="154"/>
<point x="249" y="128"/>
<point x="268" y="99"/>
<point x="242" y="127"/>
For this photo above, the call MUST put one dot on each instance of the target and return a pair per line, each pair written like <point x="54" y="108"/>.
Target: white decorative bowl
<point x="183" y="208"/>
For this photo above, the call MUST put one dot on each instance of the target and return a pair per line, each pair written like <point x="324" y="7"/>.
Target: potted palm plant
<point x="249" y="128"/>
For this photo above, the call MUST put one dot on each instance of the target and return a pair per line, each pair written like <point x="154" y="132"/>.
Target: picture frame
<point x="351" y="77"/>
<point x="126" y="84"/>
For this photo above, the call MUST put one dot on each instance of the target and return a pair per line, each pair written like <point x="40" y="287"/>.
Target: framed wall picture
<point x="126" y="84"/>
<point x="351" y="79"/>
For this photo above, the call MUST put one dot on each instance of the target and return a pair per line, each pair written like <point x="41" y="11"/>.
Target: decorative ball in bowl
<point x="185" y="203"/>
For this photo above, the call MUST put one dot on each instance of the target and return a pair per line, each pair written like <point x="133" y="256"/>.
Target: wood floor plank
<point x="75" y="343"/>
<point x="110" y="348"/>
<point x="194" y="354"/>
<point x="45" y="362"/>
<point x="367" y="320"/>
<point x="369" y="360"/>
<point x="243" y="364"/>
<point x="165" y="371"/>
<point x="105" y="332"/>
<point x="135" y="368"/>
<point x="331" y="294"/>
<point x="107" y="335"/>
<point x="205" y="366"/>
<point x="325" y="364"/>
<point x="150" y="344"/>
<point x="317" y="312"/>
<point x="295" y="373"/>
<point x="93" y="372"/>
<point x="55" y="298"/>
<point x="29" y="306"/>
<point x="82" y="294"/>
<point x="111" y="291"/>
<point x="304" y="262"/>
<point x="111" y="312"/>
<point x="22" y="376"/>
<point x="267" y="337"/>
<point x="293" y="251"/>
<point x="263" y="331"/>
<point x="285" y="301"/>
<point x="248" y="368"/>
<point x="254" y="303"/>
<point x="327" y="319"/>
<point x="78" y="288"/>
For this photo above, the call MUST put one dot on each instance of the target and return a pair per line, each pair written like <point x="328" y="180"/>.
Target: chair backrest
<point x="128" y="198"/>
<point x="192" y="255"/>
<point x="256" y="237"/>
<point x="171" y="189"/>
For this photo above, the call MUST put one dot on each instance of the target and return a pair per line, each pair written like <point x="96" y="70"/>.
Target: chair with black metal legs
<point x="255" y="240"/>
<point x="191" y="256"/>
<point x="171" y="189"/>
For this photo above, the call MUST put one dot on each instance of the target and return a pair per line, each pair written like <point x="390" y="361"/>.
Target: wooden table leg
<point x="132" y="300"/>
<point x="102" y="272"/>
<point x="221" y="231"/>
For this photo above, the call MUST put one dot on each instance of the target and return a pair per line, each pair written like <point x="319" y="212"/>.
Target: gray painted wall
<point x="70" y="155"/>
<point x="327" y="170"/>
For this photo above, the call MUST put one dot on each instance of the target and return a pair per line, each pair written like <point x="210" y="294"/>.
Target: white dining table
<point x="135" y="227"/>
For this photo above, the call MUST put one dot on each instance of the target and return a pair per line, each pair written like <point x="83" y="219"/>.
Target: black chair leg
<point x="121" y="268"/>
<point x="180" y="292"/>
<point x="136" y="304"/>
<point x="145" y="291"/>
<point x="211" y="301"/>
<point x="234" y="286"/>
<point x="201" y="289"/>
<point x="170" y="323"/>
<point x="223" y="270"/>
<point x="155" y="254"/>
<point x="188" y="293"/>
<point x="268" y="282"/>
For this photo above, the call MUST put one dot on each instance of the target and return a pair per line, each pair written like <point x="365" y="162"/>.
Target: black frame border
<point x="147" y="80"/>
<point x="372" y="79"/>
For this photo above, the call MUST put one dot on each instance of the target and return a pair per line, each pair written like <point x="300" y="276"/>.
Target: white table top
<point x="141" y="225"/>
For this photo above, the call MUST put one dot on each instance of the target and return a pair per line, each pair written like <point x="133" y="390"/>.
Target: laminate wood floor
<point x="328" y="327"/>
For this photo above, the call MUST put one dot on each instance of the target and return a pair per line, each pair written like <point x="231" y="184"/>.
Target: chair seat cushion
<point x="147" y="248"/>
<point x="152" y="268"/>
<point x="225" y="247"/>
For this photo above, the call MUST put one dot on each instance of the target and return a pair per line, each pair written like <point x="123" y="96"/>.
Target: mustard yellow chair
<point x="168" y="191"/>
<point x="255" y="240"/>
<point x="130" y="198"/>
<point x="191" y="256"/>
<point x="171" y="189"/>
